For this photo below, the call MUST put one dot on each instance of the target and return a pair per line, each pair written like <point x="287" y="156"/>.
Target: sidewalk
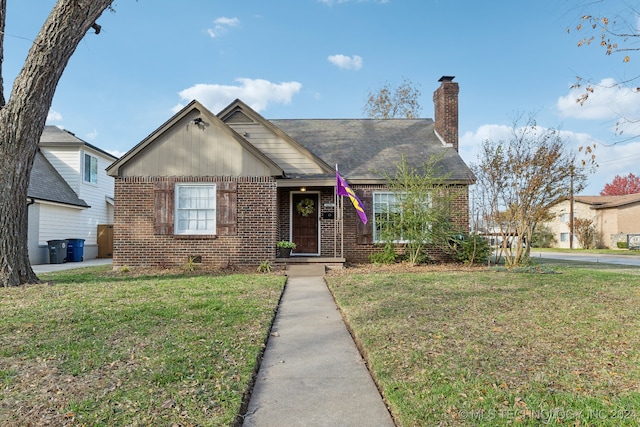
<point x="47" y="268"/>
<point x="312" y="373"/>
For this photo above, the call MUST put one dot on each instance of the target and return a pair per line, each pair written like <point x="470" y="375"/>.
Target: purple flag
<point x="343" y="189"/>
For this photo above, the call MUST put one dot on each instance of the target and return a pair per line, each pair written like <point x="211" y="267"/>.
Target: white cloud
<point x="222" y="25"/>
<point x="345" y="62"/>
<point x="471" y="142"/>
<point x="54" y="116"/>
<point x="619" y="159"/>
<point x="116" y="153"/>
<point x="92" y="135"/>
<point x="257" y="93"/>
<point x="608" y="100"/>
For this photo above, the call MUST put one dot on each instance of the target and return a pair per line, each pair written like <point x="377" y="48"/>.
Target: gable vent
<point x="238" y="117"/>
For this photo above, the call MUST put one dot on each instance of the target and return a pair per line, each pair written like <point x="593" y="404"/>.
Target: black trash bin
<point x="57" y="251"/>
<point x="75" y="250"/>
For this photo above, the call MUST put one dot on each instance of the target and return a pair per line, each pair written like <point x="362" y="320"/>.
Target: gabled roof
<point x="46" y="184"/>
<point x="53" y="136"/>
<point x="238" y="109"/>
<point x="607" y="202"/>
<point x="366" y="149"/>
<point x="194" y="105"/>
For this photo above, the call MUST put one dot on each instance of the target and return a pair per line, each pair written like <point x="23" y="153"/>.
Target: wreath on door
<point x="305" y="207"/>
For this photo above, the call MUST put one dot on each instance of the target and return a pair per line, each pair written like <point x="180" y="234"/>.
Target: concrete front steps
<point x="309" y="266"/>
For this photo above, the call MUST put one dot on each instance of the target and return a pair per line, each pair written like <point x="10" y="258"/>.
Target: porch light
<point x="303" y="189"/>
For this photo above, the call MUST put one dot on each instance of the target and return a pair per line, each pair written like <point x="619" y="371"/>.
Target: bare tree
<point x="519" y="178"/>
<point x="22" y="120"/>
<point x="617" y="34"/>
<point x="394" y="102"/>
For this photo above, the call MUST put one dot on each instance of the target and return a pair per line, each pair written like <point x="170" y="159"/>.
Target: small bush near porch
<point x="104" y="348"/>
<point x="488" y="348"/>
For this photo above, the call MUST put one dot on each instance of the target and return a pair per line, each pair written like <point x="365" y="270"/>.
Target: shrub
<point x="542" y="237"/>
<point x="386" y="256"/>
<point x="264" y="267"/>
<point x="472" y="249"/>
<point x="622" y="245"/>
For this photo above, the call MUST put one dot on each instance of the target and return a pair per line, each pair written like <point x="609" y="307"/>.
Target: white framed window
<point x="90" y="174"/>
<point x="387" y="212"/>
<point x="195" y="208"/>
<point x="564" y="218"/>
<point x="564" y="237"/>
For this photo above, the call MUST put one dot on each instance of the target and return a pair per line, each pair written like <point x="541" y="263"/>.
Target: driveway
<point x="47" y="268"/>
<point x="632" y="260"/>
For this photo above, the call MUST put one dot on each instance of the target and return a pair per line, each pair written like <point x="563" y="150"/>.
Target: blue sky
<point x="320" y="58"/>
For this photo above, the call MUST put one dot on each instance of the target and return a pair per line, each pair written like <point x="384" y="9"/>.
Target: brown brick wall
<point x="359" y="253"/>
<point x="445" y="100"/>
<point x="136" y="245"/>
<point x="263" y="219"/>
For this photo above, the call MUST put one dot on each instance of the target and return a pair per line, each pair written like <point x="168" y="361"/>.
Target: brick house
<point x="614" y="219"/>
<point x="224" y="189"/>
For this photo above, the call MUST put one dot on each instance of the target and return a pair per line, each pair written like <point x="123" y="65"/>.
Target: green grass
<point x="496" y="348"/>
<point x="590" y="251"/>
<point x="102" y="348"/>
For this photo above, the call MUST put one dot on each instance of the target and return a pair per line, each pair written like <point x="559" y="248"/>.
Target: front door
<point x="304" y="222"/>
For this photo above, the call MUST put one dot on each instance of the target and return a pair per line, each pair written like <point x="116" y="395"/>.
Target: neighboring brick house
<point x="614" y="217"/>
<point x="224" y="189"/>
<point x="70" y="195"/>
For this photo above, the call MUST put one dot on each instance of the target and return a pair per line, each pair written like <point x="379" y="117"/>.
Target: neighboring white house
<point x="69" y="195"/>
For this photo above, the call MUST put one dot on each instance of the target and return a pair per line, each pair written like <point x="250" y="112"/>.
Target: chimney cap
<point x="446" y="78"/>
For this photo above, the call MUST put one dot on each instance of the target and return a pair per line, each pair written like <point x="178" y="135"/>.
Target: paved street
<point x="632" y="260"/>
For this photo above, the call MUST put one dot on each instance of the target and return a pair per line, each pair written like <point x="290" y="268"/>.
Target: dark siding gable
<point x="226" y="207"/>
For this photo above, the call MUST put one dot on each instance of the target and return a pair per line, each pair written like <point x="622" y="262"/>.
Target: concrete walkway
<point x="312" y="373"/>
<point x="47" y="268"/>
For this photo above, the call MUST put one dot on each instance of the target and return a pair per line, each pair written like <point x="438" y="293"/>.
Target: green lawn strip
<point x="625" y="252"/>
<point x="101" y="348"/>
<point x="498" y="348"/>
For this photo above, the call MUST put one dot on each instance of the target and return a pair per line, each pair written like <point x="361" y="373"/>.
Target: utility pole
<point x="571" y="209"/>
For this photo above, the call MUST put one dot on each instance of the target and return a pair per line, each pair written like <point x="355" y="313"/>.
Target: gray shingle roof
<point x="53" y="136"/>
<point x="367" y="148"/>
<point x="46" y="184"/>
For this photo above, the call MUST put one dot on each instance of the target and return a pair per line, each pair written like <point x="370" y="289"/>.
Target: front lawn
<point x="462" y="348"/>
<point x="102" y="348"/>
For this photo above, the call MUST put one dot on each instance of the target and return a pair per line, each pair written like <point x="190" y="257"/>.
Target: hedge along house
<point x="224" y="189"/>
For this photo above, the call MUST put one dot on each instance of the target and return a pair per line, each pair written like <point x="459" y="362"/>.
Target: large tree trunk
<point x="22" y="121"/>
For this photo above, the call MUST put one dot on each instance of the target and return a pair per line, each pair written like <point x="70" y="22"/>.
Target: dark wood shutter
<point x="163" y="199"/>
<point x="364" y="232"/>
<point x="227" y="208"/>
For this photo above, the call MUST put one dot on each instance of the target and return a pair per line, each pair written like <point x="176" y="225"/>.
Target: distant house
<point x="69" y="194"/>
<point x="224" y="189"/>
<point x="614" y="217"/>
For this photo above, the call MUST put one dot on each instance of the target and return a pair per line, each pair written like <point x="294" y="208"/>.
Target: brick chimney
<point x="445" y="102"/>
